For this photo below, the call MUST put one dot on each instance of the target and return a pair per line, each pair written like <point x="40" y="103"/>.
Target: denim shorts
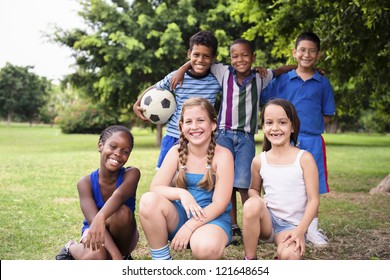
<point x="242" y="146"/>
<point x="223" y="221"/>
<point x="278" y="225"/>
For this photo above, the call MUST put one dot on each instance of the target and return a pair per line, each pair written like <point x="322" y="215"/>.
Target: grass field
<point x="39" y="168"/>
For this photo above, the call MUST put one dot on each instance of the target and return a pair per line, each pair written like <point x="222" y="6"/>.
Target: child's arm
<point x="256" y="181"/>
<point x="178" y="77"/>
<point x="283" y="69"/>
<point x="98" y="232"/>
<point x="138" y="110"/>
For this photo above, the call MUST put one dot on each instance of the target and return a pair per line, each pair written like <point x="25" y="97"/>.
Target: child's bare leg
<point x="256" y="222"/>
<point x="284" y="252"/>
<point x="208" y="242"/>
<point x="122" y="227"/>
<point x="158" y="216"/>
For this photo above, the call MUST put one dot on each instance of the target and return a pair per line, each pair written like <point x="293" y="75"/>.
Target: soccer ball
<point x="158" y="105"/>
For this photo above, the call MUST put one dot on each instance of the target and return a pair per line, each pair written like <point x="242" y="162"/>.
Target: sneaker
<point x="236" y="235"/>
<point x="128" y="257"/>
<point x="317" y="238"/>
<point x="64" y="254"/>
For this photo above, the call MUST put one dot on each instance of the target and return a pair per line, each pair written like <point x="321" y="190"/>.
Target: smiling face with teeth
<point x="115" y="151"/>
<point x="197" y="126"/>
<point x="277" y="126"/>
<point x="201" y="58"/>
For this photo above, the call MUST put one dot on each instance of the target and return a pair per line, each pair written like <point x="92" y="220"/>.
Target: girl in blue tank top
<point x="107" y="200"/>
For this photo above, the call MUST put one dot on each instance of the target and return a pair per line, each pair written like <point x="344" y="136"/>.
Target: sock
<point x="313" y="227"/>
<point x="161" y="254"/>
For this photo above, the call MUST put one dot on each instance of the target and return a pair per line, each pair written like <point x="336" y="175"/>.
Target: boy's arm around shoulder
<point x="178" y="77"/>
<point x="283" y="69"/>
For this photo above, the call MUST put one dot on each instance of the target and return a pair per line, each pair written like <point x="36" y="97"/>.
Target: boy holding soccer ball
<point x="198" y="82"/>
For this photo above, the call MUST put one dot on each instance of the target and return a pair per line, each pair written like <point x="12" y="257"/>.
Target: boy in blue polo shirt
<point x="198" y="82"/>
<point x="313" y="98"/>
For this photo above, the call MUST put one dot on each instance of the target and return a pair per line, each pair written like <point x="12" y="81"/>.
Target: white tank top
<point x="284" y="189"/>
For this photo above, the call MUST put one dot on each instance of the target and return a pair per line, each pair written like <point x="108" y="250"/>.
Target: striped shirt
<point x="240" y="103"/>
<point x="193" y="86"/>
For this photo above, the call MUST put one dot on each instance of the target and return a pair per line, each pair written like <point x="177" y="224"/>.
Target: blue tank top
<point x="97" y="195"/>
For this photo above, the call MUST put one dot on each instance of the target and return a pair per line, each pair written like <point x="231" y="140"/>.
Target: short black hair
<point x="245" y="42"/>
<point x="204" y="38"/>
<point x="309" y="36"/>
<point x="109" y="131"/>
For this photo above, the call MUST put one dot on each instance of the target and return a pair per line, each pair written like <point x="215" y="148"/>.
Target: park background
<point x="48" y="130"/>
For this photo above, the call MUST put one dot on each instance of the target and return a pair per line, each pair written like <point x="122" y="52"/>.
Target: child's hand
<point x="182" y="238"/>
<point x="262" y="71"/>
<point x="295" y="238"/>
<point x="138" y="110"/>
<point x="95" y="236"/>
<point x="177" y="79"/>
<point x="321" y="71"/>
<point x="192" y="207"/>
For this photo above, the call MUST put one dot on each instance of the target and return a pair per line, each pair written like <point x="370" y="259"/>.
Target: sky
<point x="22" y="23"/>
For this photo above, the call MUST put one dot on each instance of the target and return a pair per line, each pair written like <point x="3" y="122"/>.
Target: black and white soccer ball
<point x="158" y="105"/>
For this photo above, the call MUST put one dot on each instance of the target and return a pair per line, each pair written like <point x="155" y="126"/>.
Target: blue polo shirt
<point x="312" y="98"/>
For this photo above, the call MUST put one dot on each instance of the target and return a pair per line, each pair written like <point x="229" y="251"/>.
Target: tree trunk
<point x="159" y="135"/>
<point x="8" y="119"/>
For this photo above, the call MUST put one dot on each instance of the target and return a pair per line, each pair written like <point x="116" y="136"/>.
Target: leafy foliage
<point x="22" y="93"/>
<point x="128" y="45"/>
<point x="85" y="118"/>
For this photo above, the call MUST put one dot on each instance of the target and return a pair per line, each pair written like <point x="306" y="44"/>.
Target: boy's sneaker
<point x="64" y="254"/>
<point x="317" y="238"/>
<point x="236" y="235"/>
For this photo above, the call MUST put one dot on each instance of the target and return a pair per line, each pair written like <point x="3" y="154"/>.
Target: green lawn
<point x="39" y="168"/>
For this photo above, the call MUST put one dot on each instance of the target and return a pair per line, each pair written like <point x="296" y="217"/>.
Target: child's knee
<point x="208" y="250"/>
<point x="252" y="207"/>
<point x="148" y="204"/>
<point x="288" y="253"/>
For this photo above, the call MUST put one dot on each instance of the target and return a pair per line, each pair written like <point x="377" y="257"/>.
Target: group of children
<point x="205" y="158"/>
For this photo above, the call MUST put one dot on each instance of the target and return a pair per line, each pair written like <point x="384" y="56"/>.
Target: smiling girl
<point x="188" y="202"/>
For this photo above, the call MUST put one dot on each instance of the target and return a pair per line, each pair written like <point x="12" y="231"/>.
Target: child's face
<point x="242" y="58"/>
<point x="197" y="126"/>
<point x="115" y="152"/>
<point x="277" y="126"/>
<point x="201" y="58"/>
<point x="306" y="54"/>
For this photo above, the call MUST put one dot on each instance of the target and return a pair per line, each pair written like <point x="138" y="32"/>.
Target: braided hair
<point x="109" y="131"/>
<point x="207" y="182"/>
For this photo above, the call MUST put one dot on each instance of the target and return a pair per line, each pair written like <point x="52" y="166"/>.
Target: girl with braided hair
<point x="189" y="196"/>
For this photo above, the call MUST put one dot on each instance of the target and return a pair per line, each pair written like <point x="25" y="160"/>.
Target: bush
<point x="85" y="118"/>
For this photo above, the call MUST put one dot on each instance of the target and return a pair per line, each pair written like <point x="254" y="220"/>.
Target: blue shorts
<point x="315" y="144"/>
<point x="278" y="225"/>
<point x="223" y="221"/>
<point x="166" y="144"/>
<point x="242" y="146"/>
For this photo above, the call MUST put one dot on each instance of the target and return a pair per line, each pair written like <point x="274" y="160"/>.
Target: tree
<point x="22" y="93"/>
<point x="355" y="44"/>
